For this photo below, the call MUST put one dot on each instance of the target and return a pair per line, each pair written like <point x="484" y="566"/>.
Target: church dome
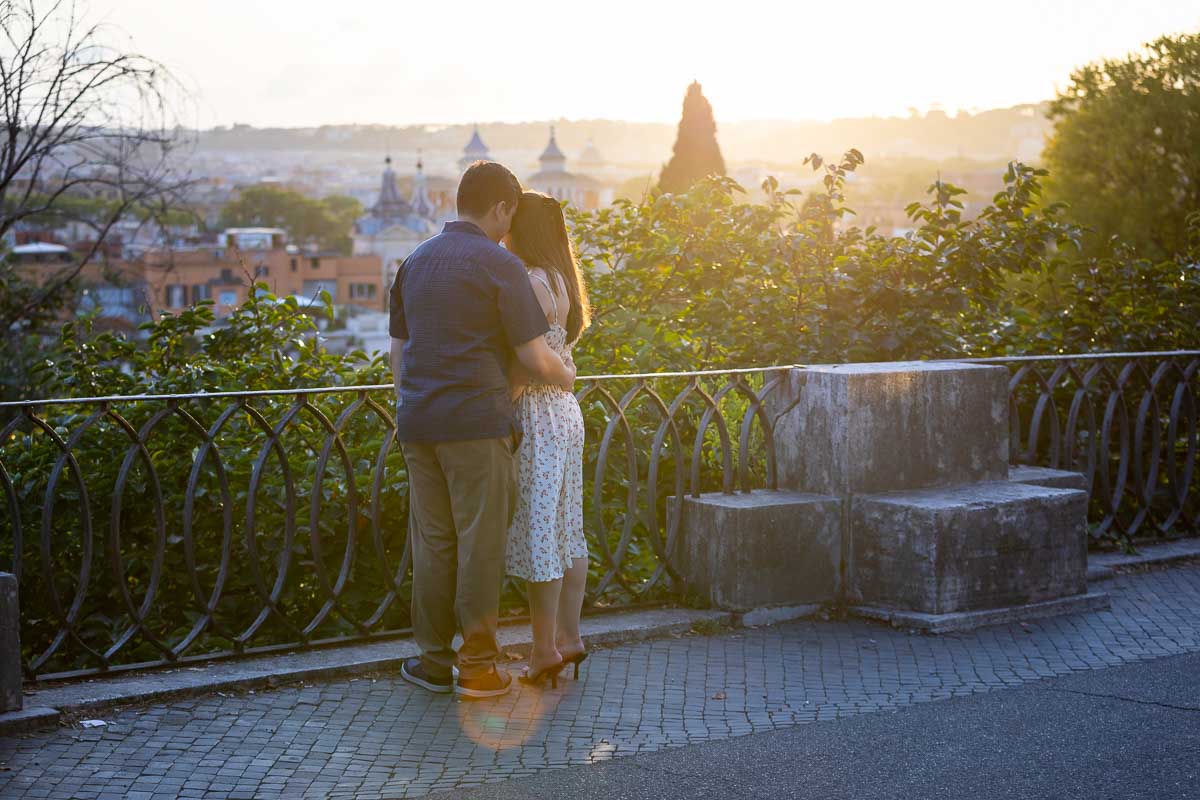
<point x="552" y="158"/>
<point x="390" y="203"/>
<point x="392" y="210"/>
<point x="476" y="145"/>
<point x="475" y="150"/>
<point x="590" y="157"/>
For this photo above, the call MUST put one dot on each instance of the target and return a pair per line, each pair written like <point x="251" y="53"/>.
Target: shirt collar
<point x="462" y="226"/>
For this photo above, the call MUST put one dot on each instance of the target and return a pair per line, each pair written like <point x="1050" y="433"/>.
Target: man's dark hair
<point x="484" y="184"/>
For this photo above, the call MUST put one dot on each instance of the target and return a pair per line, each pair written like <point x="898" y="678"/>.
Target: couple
<point x="492" y="435"/>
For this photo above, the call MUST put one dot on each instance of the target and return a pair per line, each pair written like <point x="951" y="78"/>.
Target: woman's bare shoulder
<point x="545" y="298"/>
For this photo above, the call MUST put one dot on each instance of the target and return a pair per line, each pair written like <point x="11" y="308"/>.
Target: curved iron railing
<point x="164" y="529"/>
<point x="1127" y="421"/>
<point x="243" y="522"/>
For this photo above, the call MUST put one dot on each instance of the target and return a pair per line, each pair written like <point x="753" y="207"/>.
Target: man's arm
<point x="518" y="375"/>
<point x="396" y="356"/>
<point x="525" y="321"/>
<point x="518" y="379"/>
<point x="544" y="364"/>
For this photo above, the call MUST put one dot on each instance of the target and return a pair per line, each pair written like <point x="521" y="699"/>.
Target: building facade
<point x="175" y="280"/>
<point x="393" y="227"/>
<point x="581" y="191"/>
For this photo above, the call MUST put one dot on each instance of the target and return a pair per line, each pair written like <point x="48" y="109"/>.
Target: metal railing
<point x="166" y="529"/>
<point x="1127" y="421"/>
<point x="161" y="529"/>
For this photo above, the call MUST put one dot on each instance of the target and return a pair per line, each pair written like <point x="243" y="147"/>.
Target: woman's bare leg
<point x="570" y="606"/>
<point x="543" y="616"/>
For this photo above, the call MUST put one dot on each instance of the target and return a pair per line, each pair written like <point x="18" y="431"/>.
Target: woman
<point x="546" y="545"/>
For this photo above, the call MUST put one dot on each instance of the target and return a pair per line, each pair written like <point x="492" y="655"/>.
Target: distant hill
<point x="998" y="134"/>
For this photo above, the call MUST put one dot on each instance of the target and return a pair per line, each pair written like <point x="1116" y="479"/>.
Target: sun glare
<point x="405" y="63"/>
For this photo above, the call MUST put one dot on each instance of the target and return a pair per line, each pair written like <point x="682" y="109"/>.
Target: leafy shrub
<point x="679" y="282"/>
<point x="699" y="280"/>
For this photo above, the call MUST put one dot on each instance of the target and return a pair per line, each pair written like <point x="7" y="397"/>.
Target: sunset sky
<point x="309" y="62"/>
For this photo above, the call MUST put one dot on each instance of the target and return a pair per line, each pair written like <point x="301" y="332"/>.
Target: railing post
<point x="10" y="645"/>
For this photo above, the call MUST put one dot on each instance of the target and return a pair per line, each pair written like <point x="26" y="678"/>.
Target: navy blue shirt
<point x="463" y="303"/>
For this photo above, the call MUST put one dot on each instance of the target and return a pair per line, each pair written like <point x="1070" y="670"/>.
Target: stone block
<point x="861" y="428"/>
<point x="745" y="551"/>
<point x="774" y="615"/>
<point x="10" y="645"/>
<point x="13" y="723"/>
<point x="967" y="548"/>
<point x="958" y="621"/>
<point x="1044" y="476"/>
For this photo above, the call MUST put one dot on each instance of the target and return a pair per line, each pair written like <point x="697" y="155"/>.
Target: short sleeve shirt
<point x="462" y="304"/>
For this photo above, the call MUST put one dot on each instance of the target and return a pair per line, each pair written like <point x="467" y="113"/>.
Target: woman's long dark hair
<point x="539" y="238"/>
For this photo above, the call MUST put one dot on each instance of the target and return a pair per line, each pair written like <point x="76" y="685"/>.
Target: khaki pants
<point x="462" y="497"/>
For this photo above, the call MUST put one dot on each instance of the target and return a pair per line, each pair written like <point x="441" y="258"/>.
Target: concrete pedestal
<point x="10" y="645"/>
<point x="745" y="551"/>
<point x="968" y="548"/>
<point x="858" y="428"/>
<point x="905" y="466"/>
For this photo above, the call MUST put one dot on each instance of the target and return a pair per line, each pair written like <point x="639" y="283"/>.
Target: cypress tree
<point x="696" y="153"/>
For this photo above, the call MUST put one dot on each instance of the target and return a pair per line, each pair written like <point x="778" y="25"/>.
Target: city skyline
<point x="302" y="64"/>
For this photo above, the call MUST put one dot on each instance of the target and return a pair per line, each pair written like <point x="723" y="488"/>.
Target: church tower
<point x="475" y="150"/>
<point x="553" y="179"/>
<point x="420" y="202"/>
<point x="590" y="158"/>
<point x="390" y="207"/>
<point x="392" y="228"/>
<point x="552" y="159"/>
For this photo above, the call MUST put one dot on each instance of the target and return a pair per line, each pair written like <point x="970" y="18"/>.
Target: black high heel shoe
<point x="536" y="678"/>
<point x="576" y="660"/>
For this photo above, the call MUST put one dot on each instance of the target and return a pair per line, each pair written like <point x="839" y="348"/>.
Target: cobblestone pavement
<point x="380" y="738"/>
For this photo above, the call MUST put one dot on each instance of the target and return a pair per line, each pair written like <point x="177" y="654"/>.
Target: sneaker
<point x="489" y="684"/>
<point x="413" y="671"/>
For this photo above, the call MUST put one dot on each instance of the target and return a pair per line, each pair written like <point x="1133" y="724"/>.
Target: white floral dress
<point x="547" y="529"/>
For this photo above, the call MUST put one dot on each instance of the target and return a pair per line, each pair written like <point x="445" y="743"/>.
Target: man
<point x="460" y="306"/>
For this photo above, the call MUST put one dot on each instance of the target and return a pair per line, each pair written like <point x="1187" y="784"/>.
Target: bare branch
<point x="80" y="119"/>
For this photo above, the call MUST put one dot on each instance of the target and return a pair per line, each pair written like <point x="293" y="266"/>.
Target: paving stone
<point x="378" y="737"/>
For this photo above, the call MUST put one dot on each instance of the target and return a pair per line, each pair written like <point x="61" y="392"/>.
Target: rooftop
<point x="255" y="232"/>
<point x="552" y="153"/>
<point x="476" y="144"/>
<point x="39" y="248"/>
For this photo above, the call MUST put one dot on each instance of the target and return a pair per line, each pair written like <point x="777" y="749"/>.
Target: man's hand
<point x="544" y="364"/>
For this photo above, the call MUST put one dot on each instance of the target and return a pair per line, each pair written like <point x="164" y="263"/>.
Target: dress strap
<point x="553" y="302"/>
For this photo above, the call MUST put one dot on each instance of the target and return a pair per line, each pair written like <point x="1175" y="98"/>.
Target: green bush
<point x="679" y="282"/>
<point x="701" y="280"/>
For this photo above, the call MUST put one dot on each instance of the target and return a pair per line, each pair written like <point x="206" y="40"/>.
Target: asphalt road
<point x="1123" y="733"/>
